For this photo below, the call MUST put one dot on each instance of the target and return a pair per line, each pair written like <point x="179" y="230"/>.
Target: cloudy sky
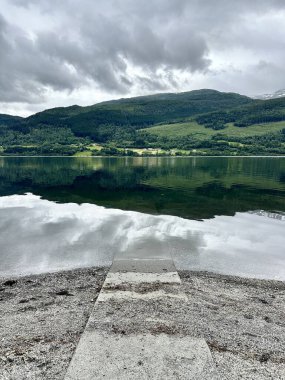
<point x="64" y="52"/>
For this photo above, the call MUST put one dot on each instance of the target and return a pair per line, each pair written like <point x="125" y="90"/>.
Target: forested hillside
<point x="101" y="120"/>
<point x="196" y="122"/>
<point x="253" y="113"/>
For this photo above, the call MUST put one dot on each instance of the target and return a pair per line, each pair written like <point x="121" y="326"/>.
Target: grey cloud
<point x="25" y="72"/>
<point x="118" y="45"/>
<point x="150" y="84"/>
<point x="98" y="49"/>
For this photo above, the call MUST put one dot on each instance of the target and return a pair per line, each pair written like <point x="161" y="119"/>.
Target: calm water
<point x="219" y="214"/>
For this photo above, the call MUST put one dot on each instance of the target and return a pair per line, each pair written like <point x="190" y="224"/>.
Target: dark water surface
<point x="218" y="214"/>
<point x="192" y="188"/>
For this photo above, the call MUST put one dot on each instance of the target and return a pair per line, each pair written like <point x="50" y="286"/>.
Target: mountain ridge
<point x="153" y="97"/>
<point x="124" y="123"/>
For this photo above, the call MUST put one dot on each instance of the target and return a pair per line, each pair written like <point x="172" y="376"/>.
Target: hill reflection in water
<point x="193" y="188"/>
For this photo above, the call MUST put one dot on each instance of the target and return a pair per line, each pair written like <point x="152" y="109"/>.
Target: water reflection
<point x="194" y="188"/>
<point x="38" y="235"/>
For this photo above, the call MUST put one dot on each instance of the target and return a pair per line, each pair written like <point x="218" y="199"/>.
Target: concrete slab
<point x="127" y="337"/>
<point x="119" y="278"/>
<point x="127" y="295"/>
<point x="141" y="357"/>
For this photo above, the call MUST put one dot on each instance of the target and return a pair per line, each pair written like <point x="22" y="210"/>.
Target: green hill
<point x="100" y="120"/>
<point x="10" y="121"/>
<point x="195" y="122"/>
<point x="266" y="111"/>
<point x="200" y="132"/>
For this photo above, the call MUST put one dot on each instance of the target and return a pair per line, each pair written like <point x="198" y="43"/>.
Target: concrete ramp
<point x="141" y="357"/>
<point x="128" y="335"/>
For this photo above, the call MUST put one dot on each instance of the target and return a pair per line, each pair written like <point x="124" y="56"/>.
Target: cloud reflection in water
<point x="37" y="235"/>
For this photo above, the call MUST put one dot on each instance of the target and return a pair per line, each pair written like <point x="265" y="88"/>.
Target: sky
<point x="64" y="52"/>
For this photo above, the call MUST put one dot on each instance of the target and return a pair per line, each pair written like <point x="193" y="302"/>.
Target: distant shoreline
<point x="150" y="156"/>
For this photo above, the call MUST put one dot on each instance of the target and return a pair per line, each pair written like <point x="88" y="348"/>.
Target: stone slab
<point x="141" y="357"/>
<point x="124" y="337"/>
<point x="131" y="278"/>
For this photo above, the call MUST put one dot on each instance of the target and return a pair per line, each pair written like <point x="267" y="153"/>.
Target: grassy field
<point x="202" y="133"/>
<point x="85" y="153"/>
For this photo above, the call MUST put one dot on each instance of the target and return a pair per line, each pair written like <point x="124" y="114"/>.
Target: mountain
<point x="9" y="120"/>
<point x="195" y="122"/>
<point x="272" y="110"/>
<point x="98" y="121"/>
<point x="275" y="95"/>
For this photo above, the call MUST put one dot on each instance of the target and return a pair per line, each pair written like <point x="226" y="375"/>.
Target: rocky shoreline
<point x="42" y="318"/>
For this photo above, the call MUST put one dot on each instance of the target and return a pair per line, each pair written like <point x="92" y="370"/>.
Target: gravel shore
<point x="43" y="316"/>
<point x="242" y="320"/>
<point x="41" y="320"/>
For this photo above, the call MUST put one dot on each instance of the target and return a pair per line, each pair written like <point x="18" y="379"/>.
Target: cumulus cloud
<point x="126" y="47"/>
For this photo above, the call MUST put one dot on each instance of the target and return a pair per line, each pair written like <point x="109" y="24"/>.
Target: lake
<point x="221" y="214"/>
